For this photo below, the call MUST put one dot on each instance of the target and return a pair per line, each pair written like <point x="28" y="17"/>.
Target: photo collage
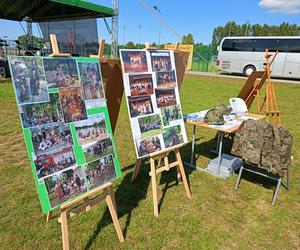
<point x="153" y="101"/>
<point x="52" y="96"/>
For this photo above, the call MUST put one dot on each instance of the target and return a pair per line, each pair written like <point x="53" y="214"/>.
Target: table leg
<point x="220" y="151"/>
<point x="193" y="145"/>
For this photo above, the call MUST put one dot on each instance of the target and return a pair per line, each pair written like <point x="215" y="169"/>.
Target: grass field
<point x="215" y="218"/>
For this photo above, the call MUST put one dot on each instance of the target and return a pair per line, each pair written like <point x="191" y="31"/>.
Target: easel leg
<point x="48" y="216"/>
<point x="154" y="186"/>
<point x="179" y="179"/>
<point x="136" y="169"/>
<point x="64" y="229"/>
<point x="111" y="206"/>
<point x="182" y="172"/>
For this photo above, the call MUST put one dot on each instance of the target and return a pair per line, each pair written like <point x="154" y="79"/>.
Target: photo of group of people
<point x="97" y="149"/>
<point x="141" y="84"/>
<point x="29" y="79"/>
<point x="100" y="171"/>
<point x="47" y="164"/>
<point x="171" y="114"/>
<point x="65" y="185"/>
<point x="148" y="145"/>
<point x="50" y="138"/>
<point x="160" y="60"/>
<point x="153" y="100"/>
<point x="92" y="129"/>
<point x="61" y="72"/>
<point x="73" y="105"/>
<point x="166" y="79"/>
<point x="91" y="80"/>
<point x="134" y="61"/>
<point x="165" y="97"/>
<point x="51" y="94"/>
<point x="42" y="113"/>
<point x="140" y="105"/>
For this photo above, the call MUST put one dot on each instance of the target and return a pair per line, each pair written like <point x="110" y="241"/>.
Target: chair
<point x="238" y="105"/>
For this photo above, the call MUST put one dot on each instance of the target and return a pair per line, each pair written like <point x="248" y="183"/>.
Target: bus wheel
<point x="248" y="70"/>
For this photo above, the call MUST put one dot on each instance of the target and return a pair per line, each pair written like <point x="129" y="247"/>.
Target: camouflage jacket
<point x="265" y="145"/>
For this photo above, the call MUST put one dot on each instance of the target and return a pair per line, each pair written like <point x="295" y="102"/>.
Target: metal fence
<point x="202" y="65"/>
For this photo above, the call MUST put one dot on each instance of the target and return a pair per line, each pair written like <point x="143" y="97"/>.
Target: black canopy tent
<point x="52" y="10"/>
<point x="73" y="21"/>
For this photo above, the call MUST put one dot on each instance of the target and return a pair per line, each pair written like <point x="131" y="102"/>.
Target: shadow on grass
<point x="128" y="195"/>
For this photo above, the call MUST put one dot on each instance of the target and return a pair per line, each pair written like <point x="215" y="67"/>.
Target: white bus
<point x="246" y="54"/>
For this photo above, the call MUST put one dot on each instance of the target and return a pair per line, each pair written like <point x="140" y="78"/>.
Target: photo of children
<point x="160" y="61"/>
<point x="141" y="84"/>
<point x="166" y="79"/>
<point x="50" y="138"/>
<point x="170" y="114"/>
<point x="73" y="105"/>
<point x="140" y="105"/>
<point x="65" y="185"/>
<point x="165" y="97"/>
<point x="95" y="150"/>
<point x="91" y="80"/>
<point x="150" y="125"/>
<point x="47" y="164"/>
<point x="134" y="61"/>
<point x="29" y="79"/>
<point x="100" y="171"/>
<point x="172" y="136"/>
<point x="148" y="145"/>
<point x="42" y="113"/>
<point x="61" y="72"/>
<point x="92" y="129"/>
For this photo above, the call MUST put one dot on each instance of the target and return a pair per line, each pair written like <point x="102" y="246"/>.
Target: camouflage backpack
<point x="264" y="145"/>
<point x="215" y="116"/>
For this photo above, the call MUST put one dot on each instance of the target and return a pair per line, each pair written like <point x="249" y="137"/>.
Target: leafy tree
<point x="130" y="45"/>
<point x="37" y="42"/>
<point x="188" y="39"/>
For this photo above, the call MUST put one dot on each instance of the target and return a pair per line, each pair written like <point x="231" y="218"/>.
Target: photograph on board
<point x="42" y="113"/>
<point x="148" y="145"/>
<point x="161" y="60"/>
<point x="65" y="185"/>
<point x="29" y="79"/>
<point x="140" y="105"/>
<point x="47" y="164"/>
<point x="61" y="72"/>
<point x="171" y="114"/>
<point x="97" y="149"/>
<point x="51" y="138"/>
<point x="92" y="129"/>
<point x="91" y="80"/>
<point x="73" y="105"/>
<point x="172" y="136"/>
<point x="150" y="125"/>
<point x="134" y="61"/>
<point x="166" y="79"/>
<point x="141" y="84"/>
<point x="100" y="171"/>
<point x="165" y="97"/>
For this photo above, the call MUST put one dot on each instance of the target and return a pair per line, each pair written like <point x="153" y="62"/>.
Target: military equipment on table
<point x="215" y="116"/>
<point x="265" y="145"/>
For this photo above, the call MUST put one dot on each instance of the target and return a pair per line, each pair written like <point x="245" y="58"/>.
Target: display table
<point x="232" y="123"/>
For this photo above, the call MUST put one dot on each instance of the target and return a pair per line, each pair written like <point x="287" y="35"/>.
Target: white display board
<point x="153" y="101"/>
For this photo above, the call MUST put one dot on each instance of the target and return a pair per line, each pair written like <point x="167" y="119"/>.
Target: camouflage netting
<point x="265" y="145"/>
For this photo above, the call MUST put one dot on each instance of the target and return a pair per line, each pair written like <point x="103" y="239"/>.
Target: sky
<point x="188" y="16"/>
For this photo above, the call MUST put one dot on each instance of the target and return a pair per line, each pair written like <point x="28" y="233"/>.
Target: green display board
<point x="66" y="126"/>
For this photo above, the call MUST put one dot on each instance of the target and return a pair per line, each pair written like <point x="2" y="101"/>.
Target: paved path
<point x="210" y="74"/>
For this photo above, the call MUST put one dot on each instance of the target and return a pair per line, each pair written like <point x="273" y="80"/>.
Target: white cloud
<point x="283" y="6"/>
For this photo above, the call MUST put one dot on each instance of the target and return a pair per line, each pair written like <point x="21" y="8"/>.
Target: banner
<point x="66" y="126"/>
<point x="185" y="48"/>
<point x="153" y="102"/>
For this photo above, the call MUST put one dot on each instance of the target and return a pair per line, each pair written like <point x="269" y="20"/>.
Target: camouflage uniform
<point x="215" y="116"/>
<point x="265" y="145"/>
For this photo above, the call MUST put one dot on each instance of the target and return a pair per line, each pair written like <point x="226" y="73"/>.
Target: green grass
<point x="215" y="218"/>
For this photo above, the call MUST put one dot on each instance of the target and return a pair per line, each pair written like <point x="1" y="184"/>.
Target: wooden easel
<point x="270" y="96"/>
<point x="250" y="91"/>
<point x="161" y="167"/>
<point x="89" y="199"/>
